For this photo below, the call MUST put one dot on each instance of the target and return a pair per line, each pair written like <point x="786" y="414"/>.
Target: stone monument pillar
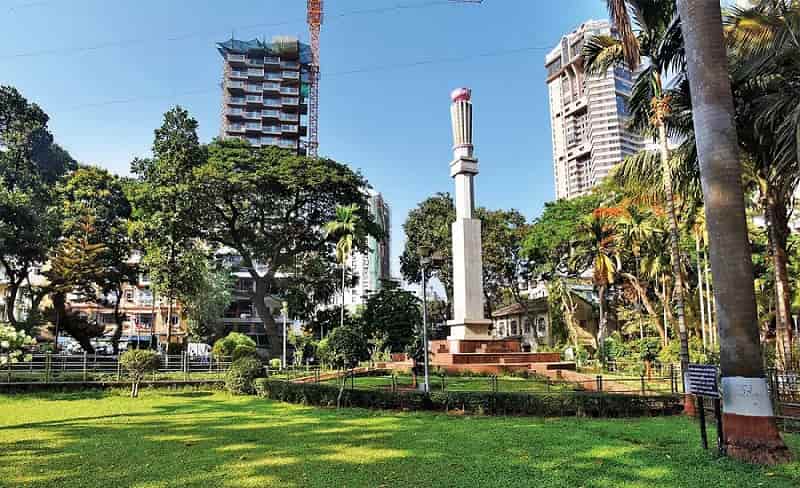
<point x="468" y="320"/>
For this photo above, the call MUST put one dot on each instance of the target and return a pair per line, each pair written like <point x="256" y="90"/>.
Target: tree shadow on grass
<point x="218" y="440"/>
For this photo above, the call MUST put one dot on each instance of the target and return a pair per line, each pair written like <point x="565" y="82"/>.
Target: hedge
<point x="569" y="404"/>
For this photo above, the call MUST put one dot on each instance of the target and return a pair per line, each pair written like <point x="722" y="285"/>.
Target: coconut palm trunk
<point x="700" y="292"/>
<point x="778" y="231"/>
<point x="750" y="431"/>
<point x="674" y="241"/>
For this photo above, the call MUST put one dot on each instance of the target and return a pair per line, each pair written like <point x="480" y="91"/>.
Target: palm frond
<point x="618" y="12"/>
<point x="601" y="53"/>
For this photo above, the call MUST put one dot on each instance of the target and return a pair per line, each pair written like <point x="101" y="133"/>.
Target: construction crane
<point x="315" y="18"/>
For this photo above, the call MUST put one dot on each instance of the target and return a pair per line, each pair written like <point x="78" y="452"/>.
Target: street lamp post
<point x="285" y="310"/>
<point x="425" y="384"/>
<point x="427" y="258"/>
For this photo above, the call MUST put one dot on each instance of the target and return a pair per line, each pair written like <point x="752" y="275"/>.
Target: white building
<point x="588" y="115"/>
<point x="373" y="266"/>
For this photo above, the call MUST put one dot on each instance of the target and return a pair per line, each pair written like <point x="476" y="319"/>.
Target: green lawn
<point x="198" y="439"/>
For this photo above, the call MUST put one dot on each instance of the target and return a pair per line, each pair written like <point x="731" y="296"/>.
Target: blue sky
<point x="106" y="70"/>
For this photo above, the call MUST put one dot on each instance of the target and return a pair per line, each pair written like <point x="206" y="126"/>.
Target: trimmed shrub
<point x="580" y="404"/>
<point x="138" y="362"/>
<point x="243" y="351"/>
<point x="275" y="363"/>
<point x="226" y="346"/>
<point x="239" y="377"/>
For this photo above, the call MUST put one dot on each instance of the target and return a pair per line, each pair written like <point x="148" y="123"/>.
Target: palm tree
<point x="656" y="38"/>
<point x="596" y="249"/>
<point x="751" y="433"/>
<point x="345" y="226"/>
<point x="637" y="228"/>
<point x="765" y="74"/>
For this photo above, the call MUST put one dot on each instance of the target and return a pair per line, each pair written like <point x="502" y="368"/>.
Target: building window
<point x="527" y="326"/>
<point x="541" y="327"/>
<point x="514" y="327"/>
<point x="129" y="296"/>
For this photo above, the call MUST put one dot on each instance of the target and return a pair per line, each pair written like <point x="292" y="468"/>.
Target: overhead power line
<point x="369" y="69"/>
<point x="189" y="35"/>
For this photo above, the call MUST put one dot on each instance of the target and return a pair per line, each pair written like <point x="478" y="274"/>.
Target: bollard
<point x="643" y="385"/>
<point x="599" y="383"/>
<point x="85" y="362"/>
<point x="119" y="370"/>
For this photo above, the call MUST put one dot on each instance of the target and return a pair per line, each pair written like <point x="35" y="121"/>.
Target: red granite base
<point x="486" y="356"/>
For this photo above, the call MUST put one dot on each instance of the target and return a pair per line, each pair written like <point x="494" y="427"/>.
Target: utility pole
<point x="285" y="310"/>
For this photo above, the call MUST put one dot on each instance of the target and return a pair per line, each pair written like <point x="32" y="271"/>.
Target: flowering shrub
<point x="12" y="344"/>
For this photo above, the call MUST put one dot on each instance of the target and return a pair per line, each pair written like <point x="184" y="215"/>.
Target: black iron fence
<point x="440" y="382"/>
<point x="57" y="368"/>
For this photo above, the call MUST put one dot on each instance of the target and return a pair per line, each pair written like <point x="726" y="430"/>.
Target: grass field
<point x="204" y="439"/>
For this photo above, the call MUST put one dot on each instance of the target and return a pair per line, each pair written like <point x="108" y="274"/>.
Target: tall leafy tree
<point x="30" y="166"/>
<point x="271" y="207"/>
<point x="751" y="433"/>
<point x="167" y="209"/>
<point x="394" y="315"/>
<point x="430" y="225"/>
<point x="94" y="192"/>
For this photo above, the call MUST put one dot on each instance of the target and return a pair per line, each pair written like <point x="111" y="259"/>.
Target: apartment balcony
<point x="270" y="141"/>
<point x="234" y="112"/>
<point x="274" y="77"/>
<point x="236" y="58"/>
<point x="272" y="102"/>
<point x="252" y="88"/>
<point x="271" y="114"/>
<point x="254" y="99"/>
<point x="255" y="73"/>
<point x="289" y="128"/>
<point x="290" y="65"/>
<point x="235" y="85"/>
<point x="253" y="126"/>
<point x="290" y="75"/>
<point x="254" y="141"/>
<point x="290" y="90"/>
<point x="287" y="143"/>
<point x="290" y="101"/>
<point x="271" y="129"/>
<point x="255" y="61"/>
<point x="235" y="128"/>
<point x="237" y="74"/>
<point x="273" y="60"/>
<point x="236" y="101"/>
<point x="289" y="117"/>
<point x="271" y="86"/>
<point x="252" y="115"/>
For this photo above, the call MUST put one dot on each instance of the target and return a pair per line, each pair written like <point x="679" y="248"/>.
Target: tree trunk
<point x="601" y="328"/>
<point x="118" y="329"/>
<point x="648" y="305"/>
<point x="700" y="293"/>
<point x="13" y="291"/>
<point x="344" y="274"/>
<point x="777" y="232"/>
<point x="674" y="249"/>
<point x="750" y="431"/>
<point x="265" y="314"/>
<point x="169" y="323"/>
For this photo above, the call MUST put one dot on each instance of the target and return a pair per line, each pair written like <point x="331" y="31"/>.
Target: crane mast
<point x="315" y="18"/>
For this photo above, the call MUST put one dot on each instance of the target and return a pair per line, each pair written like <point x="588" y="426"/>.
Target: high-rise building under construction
<point x="265" y="91"/>
<point x="588" y="114"/>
